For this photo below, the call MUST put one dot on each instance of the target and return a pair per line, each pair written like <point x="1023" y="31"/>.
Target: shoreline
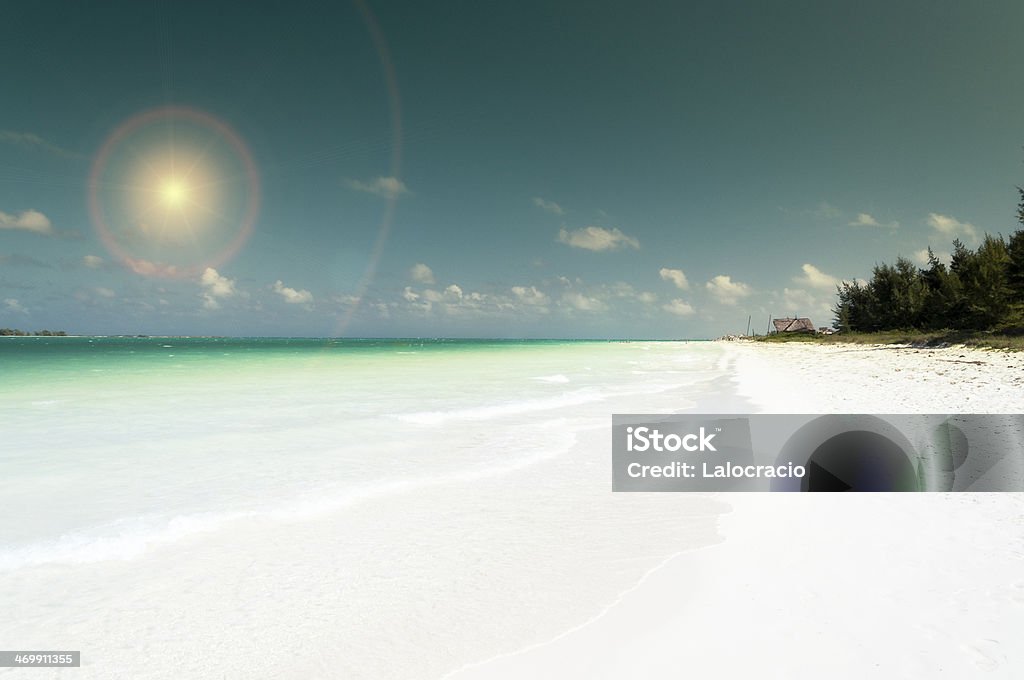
<point x="511" y="552"/>
<point x="518" y="541"/>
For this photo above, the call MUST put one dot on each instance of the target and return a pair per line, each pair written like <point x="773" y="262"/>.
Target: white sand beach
<point x="374" y="340"/>
<point x="829" y="585"/>
<point x="475" y="535"/>
<point x="838" y="378"/>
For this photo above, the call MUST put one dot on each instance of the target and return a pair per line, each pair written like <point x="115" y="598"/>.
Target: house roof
<point x="788" y="325"/>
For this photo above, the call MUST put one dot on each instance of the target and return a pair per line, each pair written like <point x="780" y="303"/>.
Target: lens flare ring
<point x="170" y="192"/>
<point x="387" y="66"/>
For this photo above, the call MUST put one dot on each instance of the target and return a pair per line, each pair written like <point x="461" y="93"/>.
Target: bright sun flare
<point x="173" y="193"/>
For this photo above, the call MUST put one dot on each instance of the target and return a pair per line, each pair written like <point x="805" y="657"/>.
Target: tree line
<point x="15" y="331"/>
<point x="980" y="290"/>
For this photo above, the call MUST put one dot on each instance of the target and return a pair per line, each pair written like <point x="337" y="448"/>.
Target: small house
<point x="793" y="325"/>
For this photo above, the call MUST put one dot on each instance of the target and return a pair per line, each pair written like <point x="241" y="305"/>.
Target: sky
<point x="528" y="169"/>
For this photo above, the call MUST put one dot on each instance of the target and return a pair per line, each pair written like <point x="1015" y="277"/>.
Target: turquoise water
<point x="26" y="362"/>
<point x="116" y="439"/>
<point x="61" y="354"/>
<point x="351" y="491"/>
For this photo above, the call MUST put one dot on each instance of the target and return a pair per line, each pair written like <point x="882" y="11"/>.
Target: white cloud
<point x="679" y="308"/>
<point x="431" y="295"/>
<point x="676" y="276"/>
<point x="385" y="187"/>
<point x="951" y="227"/>
<point x="597" y="238"/>
<point x="530" y="296"/>
<point x="813" y="305"/>
<point x="215" y="287"/>
<point x="815" y="278"/>
<point x="105" y="292"/>
<point x="421" y="273"/>
<point x="548" y="206"/>
<point x="582" y="302"/>
<point x="27" y="220"/>
<point x="13" y="305"/>
<point x="623" y="291"/>
<point x="528" y="300"/>
<point x="415" y="300"/>
<point x="921" y="257"/>
<point x="347" y="299"/>
<point x="92" y="261"/>
<point x="147" y="268"/>
<point x="865" y="220"/>
<point x="797" y="300"/>
<point x="456" y="301"/>
<point x="293" y="296"/>
<point x="727" y="291"/>
<point x="34" y="140"/>
<point x="619" y="289"/>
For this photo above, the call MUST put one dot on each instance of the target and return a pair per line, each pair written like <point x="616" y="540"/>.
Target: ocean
<point x="327" y="508"/>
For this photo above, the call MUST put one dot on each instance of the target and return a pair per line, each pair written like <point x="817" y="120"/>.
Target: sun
<point x="174" y="193"/>
<point x="177" y="194"/>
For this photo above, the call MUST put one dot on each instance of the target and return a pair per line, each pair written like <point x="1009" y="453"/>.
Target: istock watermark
<point x="845" y="452"/>
<point x="644" y="438"/>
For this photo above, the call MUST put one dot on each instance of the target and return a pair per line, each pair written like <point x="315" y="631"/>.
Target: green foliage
<point x="939" y="338"/>
<point x="943" y="296"/>
<point x="21" y="333"/>
<point x="984" y="275"/>
<point x="1015" y="264"/>
<point x="856" y="308"/>
<point x="981" y="290"/>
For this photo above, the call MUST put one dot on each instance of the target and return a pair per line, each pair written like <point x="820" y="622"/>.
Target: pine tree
<point x="942" y="293"/>
<point x="983" y="274"/>
<point x="981" y="289"/>
<point x="1015" y="269"/>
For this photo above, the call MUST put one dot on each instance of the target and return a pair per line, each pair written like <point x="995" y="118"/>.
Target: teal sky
<point x="556" y="170"/>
